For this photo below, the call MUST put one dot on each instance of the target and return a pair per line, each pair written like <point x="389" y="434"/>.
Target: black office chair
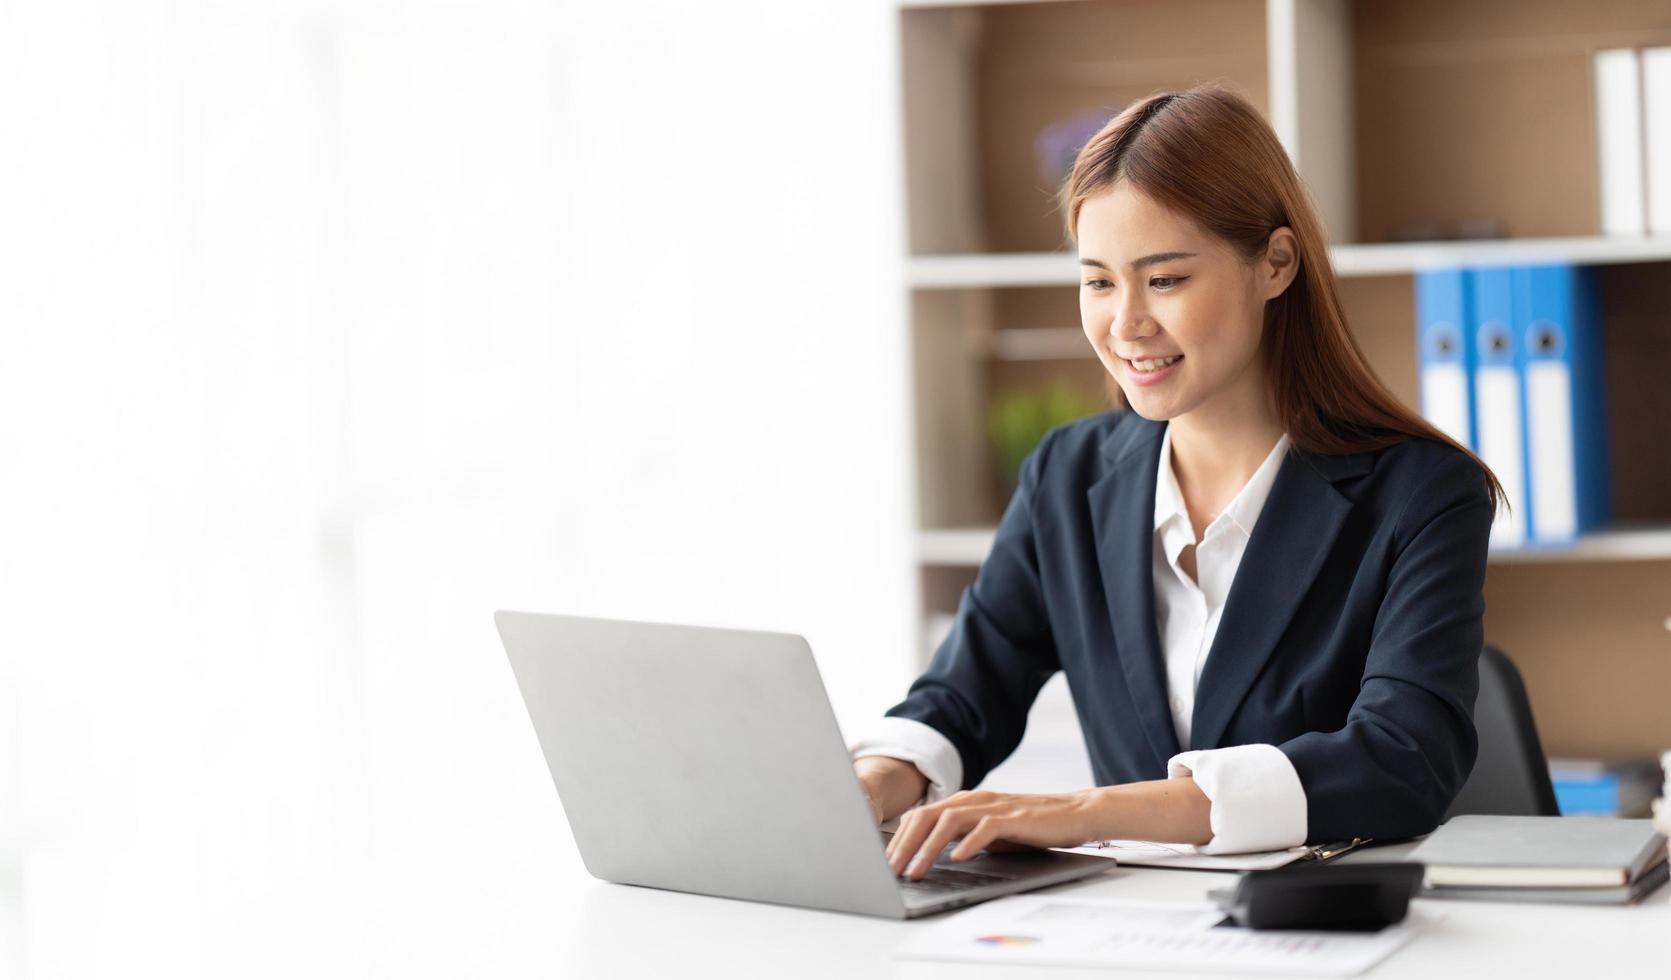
<point x="1511" y="775"/>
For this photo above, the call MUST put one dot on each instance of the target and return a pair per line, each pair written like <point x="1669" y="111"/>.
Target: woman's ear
<point x="1280" y="262"/>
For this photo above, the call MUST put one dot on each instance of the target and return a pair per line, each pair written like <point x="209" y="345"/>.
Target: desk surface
<point x="521" y="904"/>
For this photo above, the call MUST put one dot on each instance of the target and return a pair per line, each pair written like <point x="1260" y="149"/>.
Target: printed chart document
<point x="1046" y="930"/>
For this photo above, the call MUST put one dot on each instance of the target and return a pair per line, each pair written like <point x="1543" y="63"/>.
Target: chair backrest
<point x="1511" y="775"/>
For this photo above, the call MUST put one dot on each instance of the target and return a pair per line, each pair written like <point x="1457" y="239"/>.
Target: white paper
<point x="1045" y="930"/>
<point x="1150" y="854"/>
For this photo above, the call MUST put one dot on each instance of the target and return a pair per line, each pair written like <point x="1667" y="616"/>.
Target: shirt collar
<point x="1172" y="517"/>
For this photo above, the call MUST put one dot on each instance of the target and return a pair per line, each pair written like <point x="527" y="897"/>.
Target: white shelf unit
<point x="1389" y="259"/>
<point x="968" y="547"/>
<point x="1358" y="91"/>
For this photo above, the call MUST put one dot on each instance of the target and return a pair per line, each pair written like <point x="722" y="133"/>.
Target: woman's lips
<point x="1153" y="376"/>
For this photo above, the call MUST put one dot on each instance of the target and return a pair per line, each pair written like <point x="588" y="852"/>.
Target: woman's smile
<point x="1151" y="371"/>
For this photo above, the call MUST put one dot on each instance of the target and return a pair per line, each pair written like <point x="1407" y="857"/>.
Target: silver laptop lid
<point x="700" y="759"/>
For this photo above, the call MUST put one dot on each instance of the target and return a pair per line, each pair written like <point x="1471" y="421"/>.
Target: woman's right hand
<point x="891" y="785"/>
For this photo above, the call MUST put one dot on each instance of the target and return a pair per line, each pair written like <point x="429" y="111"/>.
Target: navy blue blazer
<point x="1350" y="638"/>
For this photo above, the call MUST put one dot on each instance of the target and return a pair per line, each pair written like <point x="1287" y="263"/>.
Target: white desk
<point x="520" y="903"/>
<point x="1478" y="939"/>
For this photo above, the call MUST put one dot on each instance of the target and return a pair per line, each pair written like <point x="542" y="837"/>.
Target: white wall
<point x="328" y="328"/>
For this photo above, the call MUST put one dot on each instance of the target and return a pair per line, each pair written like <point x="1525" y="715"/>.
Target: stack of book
<point x="1633" y="139"/>
<point x="1587" y="860"/>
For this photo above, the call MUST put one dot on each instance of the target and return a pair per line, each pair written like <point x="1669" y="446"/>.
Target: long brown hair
<point x="1206" y="154"/>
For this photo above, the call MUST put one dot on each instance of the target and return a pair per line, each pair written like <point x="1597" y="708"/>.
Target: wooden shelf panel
<point x="990" y="90"/>
<point x="1593" y="647"/>
<point x="1483" y="112"/>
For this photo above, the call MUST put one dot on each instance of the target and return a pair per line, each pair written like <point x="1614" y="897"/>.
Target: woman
<point x="1265" y="559"/>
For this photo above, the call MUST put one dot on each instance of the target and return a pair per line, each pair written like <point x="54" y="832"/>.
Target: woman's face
<point x="1173" y="312"/>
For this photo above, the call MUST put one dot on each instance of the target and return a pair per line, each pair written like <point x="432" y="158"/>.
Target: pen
<point x="1325" y="852"/>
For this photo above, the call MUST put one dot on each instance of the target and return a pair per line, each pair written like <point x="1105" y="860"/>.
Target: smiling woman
<point x="1194" y="230"/>
<point x="1260" y="557"/>
<point x="1205" y="360"/>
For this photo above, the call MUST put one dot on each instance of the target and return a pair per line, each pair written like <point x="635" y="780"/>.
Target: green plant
<point x="1017" y="421"/>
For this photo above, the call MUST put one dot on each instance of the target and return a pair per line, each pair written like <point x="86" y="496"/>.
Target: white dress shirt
<point x="1256" y="799"/>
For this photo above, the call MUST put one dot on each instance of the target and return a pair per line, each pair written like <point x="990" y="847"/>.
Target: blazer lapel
<point x="1290" y="541"/>
<point x="1122" y="516"/>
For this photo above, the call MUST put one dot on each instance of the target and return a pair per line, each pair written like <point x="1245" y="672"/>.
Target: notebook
<point x="1613" y="895"/>
<point x="1540" y="852"/>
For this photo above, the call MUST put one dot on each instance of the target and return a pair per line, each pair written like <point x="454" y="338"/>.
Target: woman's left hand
<point x="981" y="818"/>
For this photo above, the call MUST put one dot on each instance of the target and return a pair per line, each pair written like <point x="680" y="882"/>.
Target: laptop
<point x="708" y="760"/>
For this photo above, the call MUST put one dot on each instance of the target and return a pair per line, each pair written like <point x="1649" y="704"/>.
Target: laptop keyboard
<point x="939" y="881"/>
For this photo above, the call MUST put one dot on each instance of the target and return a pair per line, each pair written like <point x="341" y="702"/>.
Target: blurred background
<point x="331" y="327"/>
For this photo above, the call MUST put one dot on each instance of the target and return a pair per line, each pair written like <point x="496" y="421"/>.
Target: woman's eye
<point x="1159" y="282"/>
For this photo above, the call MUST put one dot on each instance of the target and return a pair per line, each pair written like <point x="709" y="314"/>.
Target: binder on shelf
<point x="1619" y="124"/>
<point x="1602" y="788"/>
<point x="1656" y="137"/>
<point x="1558" y="318"/>
<point x="1500" y="432"/>
<point x="1444" y="362"/>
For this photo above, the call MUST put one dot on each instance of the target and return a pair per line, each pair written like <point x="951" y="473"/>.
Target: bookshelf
<point x="1361" y="93"/>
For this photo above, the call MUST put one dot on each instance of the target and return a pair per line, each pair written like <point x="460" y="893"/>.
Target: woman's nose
<point x="1131" y="322"/>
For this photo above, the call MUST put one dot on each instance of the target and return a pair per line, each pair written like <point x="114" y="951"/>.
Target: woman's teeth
<point x="1155" y="364"/>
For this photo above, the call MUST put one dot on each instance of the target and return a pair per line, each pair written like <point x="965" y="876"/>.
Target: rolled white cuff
<point x="921" y="745"/>
<point x="1257" y="801"/>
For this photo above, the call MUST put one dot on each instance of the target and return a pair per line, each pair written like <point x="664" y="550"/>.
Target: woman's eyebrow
<point x="1154" y="259"/>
